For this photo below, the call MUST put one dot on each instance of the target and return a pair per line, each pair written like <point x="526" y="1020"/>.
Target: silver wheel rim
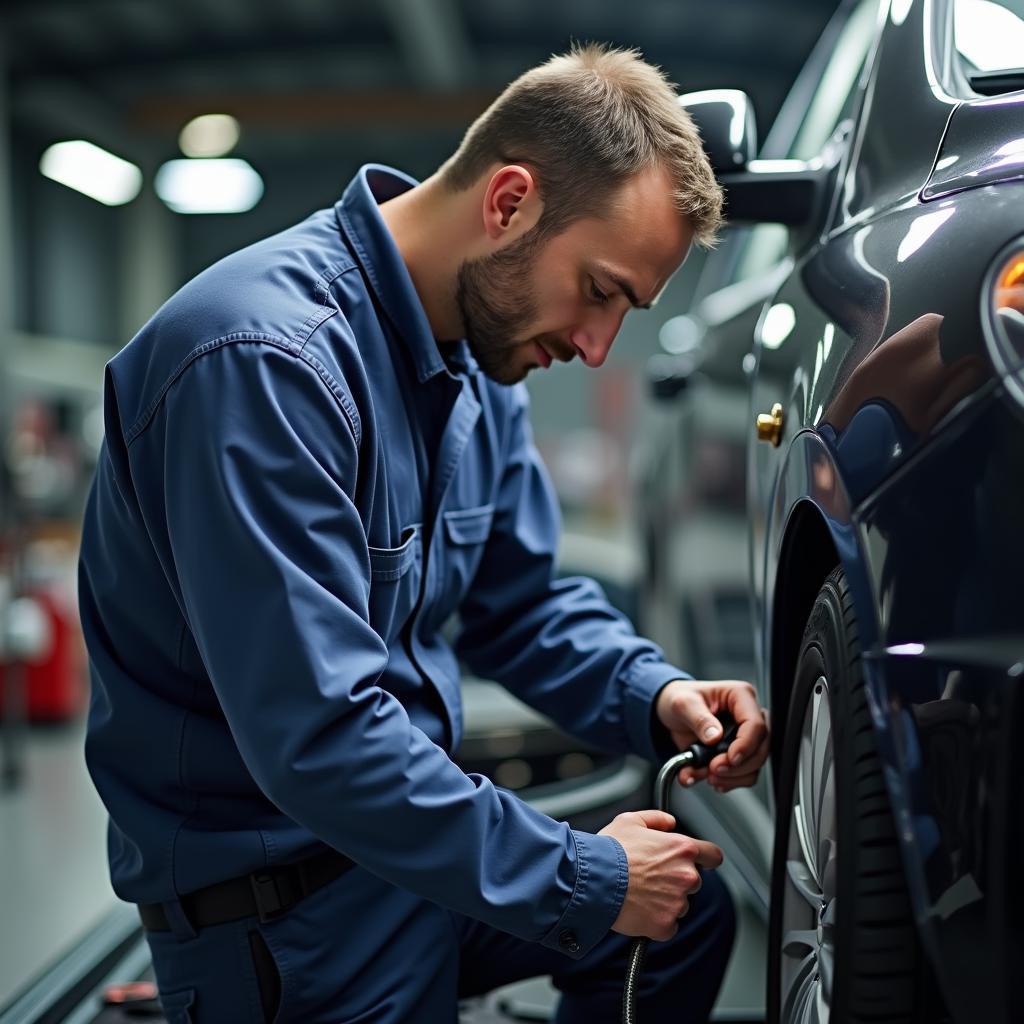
<point x="809" y="893"/>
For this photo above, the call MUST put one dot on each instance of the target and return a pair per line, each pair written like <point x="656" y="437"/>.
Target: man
<point x="316" y="453"/>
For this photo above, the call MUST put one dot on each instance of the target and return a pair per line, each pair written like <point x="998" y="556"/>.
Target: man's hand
<point x="662" y="872"/>
<point x="688" y="708"/>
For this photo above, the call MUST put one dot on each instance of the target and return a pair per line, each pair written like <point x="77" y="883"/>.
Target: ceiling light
<point x="92" y="171"/>
<point x="208" y="186"/>
<point x="209" y="135"/>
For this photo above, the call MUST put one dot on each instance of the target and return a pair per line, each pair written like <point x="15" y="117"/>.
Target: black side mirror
<point x="725" y="120"/>
<point x="756" y="191"/>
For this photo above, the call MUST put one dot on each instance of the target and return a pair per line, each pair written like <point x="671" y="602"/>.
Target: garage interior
<point x="315" y="88"/>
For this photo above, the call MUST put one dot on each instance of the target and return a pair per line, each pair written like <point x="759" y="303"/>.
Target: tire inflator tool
<point x="697" y="755"/>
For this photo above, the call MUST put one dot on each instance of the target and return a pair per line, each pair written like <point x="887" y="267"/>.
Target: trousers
<point x="361" y="950"/>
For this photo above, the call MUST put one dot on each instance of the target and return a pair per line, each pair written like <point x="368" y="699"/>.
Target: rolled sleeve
<point x="594" y="904"/>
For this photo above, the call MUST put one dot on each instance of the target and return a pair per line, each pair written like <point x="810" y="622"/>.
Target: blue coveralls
<point x="295" y="493"/>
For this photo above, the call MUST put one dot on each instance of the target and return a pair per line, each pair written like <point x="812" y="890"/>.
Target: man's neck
<point x="429" y="226"/>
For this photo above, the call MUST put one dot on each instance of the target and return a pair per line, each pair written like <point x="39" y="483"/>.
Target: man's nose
<point x="593" y="340"/>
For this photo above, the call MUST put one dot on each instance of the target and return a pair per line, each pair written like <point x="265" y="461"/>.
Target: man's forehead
<point x="643" y="252"/>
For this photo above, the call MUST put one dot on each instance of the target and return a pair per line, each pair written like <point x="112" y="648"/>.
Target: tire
<point x="842" y="942"/>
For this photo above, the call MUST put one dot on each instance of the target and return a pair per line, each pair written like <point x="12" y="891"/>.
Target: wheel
<point x="842" y="942"/>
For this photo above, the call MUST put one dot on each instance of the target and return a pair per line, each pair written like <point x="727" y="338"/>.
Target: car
<point x="884" y="363"/>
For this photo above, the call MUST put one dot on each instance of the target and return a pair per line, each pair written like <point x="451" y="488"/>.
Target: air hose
<point x="697" y="755"/>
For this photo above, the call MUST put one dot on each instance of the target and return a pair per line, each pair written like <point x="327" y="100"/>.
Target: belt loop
<point x="178" y="920"/>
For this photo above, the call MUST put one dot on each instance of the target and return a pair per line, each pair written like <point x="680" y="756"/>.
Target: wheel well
<point x="808" y="556"/>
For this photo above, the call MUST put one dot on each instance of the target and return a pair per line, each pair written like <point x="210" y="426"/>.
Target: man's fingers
<point x="724" y="766"/>
<point x="737" y="782"/>
<point x="660" y="820"/>
<point x="752" y="727"/>
<point x="708" y="855"/>
<point x="688" y="776"/>
<point x="693" y="709"/>
<point x="725" y="777"/>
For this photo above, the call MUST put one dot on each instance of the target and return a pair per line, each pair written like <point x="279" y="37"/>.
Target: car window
<point x="831" y="101"/>
<point x="989" y="34"/>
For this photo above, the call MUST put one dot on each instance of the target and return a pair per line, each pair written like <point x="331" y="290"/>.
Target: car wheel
<point x="842" y="944"/>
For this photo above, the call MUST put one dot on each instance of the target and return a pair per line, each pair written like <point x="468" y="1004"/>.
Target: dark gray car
<point x="883" y="353"/>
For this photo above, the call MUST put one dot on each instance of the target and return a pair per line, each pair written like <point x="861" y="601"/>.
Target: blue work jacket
<point x="296" y="492"/>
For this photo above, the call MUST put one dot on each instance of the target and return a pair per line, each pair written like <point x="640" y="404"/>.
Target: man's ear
<point x="512" y="204"/>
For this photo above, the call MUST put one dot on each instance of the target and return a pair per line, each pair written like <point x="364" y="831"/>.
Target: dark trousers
<point x="360" y="950"/>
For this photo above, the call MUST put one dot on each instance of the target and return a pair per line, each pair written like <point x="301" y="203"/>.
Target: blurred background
<point x="141" y="140"/>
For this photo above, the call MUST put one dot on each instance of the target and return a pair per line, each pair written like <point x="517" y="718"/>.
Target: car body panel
<point x="983" y="145"/>
<point x="899" y="436"/>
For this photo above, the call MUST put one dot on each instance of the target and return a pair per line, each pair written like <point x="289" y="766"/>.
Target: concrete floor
<point x="54" y="885"/>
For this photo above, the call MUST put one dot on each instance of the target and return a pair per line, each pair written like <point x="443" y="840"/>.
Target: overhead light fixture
<point x="209" y="186"/>
<point x="209" y="135"/>
<point x="92" y="171"/>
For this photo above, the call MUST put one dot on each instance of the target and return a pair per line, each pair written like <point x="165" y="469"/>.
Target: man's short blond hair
<point x="585" y="122"/>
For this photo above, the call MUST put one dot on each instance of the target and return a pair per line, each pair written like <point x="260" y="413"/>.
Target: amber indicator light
<point x="1010" y="284"/>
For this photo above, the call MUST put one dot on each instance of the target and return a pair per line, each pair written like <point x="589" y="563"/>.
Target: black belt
<point x="267" y="894"/>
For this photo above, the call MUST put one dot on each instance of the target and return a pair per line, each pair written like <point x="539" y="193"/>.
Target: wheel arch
<point x="807" y="556"/>
<point x="814" y="533"/>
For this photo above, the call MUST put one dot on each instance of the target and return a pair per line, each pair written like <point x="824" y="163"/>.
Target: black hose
<point x="698" y="755"/>
<point x="636" y="962"/>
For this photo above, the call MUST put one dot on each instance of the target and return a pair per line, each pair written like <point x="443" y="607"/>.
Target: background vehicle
<point x="884" y="495"/>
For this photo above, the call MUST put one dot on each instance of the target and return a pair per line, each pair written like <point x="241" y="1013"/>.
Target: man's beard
<point x="497" y="302"/>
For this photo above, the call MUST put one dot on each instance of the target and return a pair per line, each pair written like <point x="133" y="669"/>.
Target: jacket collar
<point x="358" y="213"/>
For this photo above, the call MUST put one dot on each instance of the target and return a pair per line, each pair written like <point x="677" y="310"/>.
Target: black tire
<point x="864" y="908"/>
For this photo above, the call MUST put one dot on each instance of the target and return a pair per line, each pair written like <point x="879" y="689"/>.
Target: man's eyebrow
<point x="626" y="288"/>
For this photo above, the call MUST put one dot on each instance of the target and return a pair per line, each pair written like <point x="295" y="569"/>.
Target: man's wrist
<point x="664" y="699"/>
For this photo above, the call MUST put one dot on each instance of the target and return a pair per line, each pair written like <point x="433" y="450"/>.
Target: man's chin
<point x="507" y="375"/>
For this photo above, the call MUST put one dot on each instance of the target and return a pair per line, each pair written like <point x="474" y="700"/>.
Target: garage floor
<point x="54" y="885"/>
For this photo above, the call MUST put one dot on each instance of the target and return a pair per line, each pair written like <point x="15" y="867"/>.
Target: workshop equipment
<point x="697" y="755"/>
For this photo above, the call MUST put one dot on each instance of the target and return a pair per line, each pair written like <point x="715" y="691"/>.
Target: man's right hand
<point x="662" y="872"/>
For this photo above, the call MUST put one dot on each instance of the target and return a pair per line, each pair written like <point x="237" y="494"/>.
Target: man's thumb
<point x="661" y="820"/>
<point x="699" y="718"/>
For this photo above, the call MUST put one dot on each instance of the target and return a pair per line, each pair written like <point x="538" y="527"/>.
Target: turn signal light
<point x="1010" y="284"/>
<point x="1004" y="319"/>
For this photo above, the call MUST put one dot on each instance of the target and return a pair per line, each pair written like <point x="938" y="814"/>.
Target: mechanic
<point x="316" y="452"/>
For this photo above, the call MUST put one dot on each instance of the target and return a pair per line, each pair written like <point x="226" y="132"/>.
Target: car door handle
<point x="769" y="425"/>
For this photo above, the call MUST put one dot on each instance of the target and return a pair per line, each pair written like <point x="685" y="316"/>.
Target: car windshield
<point x="990" y="34"/>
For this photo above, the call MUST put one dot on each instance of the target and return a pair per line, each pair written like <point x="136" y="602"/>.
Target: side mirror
<point x="725" y="120"/>
<point x="756" y="191"/>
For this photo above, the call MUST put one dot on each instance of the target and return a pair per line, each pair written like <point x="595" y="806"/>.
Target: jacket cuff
<point x="644" y="681"/>
<point x="602" y="877"/>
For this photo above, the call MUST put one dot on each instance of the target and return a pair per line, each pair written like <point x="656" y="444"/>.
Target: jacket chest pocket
<point x="395" y="575"/>
<point x="466" y="532"/>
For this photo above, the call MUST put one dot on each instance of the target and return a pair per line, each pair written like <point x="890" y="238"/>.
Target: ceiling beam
<point x="433" y="40"/>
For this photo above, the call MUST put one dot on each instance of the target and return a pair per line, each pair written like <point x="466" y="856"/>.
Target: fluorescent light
<point x="208" y="186"/>
<point x="92" y="171"/>
<point x="209" y="135"/>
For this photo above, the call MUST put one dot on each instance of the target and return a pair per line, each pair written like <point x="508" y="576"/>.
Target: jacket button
<point x="568" y="941"/>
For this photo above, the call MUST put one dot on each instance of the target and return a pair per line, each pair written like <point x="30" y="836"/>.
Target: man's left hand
<point x="687" y="709"/>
